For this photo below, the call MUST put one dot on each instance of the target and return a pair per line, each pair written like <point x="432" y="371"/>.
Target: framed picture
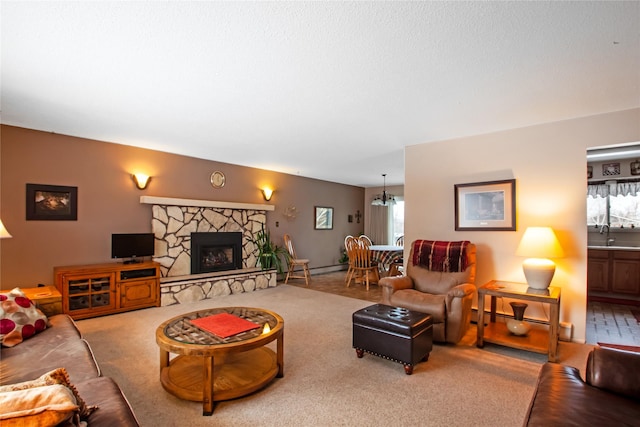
<point x="610" y="169"/>
<point x="324" y="218"/>
<point x="52" y="202"/>
<point x="486" y="205"/>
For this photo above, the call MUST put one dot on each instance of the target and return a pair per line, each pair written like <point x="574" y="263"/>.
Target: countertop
<point x="614" y="248"/>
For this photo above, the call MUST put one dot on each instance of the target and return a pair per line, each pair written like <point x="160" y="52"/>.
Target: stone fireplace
<point x="230" y="262"/>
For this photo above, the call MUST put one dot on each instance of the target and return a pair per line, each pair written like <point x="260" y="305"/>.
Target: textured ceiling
<point x="328" y="90"/>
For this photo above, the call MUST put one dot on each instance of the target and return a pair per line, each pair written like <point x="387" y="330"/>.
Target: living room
<point x="546" y="156"/>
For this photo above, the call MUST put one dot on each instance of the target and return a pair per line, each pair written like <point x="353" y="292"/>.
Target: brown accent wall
<point x="109" y="202"/>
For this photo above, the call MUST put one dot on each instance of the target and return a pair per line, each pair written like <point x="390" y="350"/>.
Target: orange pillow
<point x="47" y="405"/>
<point x="55" y="377"/>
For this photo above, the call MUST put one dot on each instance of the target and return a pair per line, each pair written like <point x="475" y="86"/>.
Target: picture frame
<point x="485" y="206"/>
<point x="52" y="202"/>
<point x="323" y="218"/>
<point x="610" y="169"/>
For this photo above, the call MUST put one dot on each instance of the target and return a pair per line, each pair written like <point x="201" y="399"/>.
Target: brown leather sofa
<point x="610" y="396"/>
<point x="446" y="296"/>
<point x="62" y="346"/>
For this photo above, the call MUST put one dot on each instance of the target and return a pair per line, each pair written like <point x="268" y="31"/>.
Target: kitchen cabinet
<point x="598" y="270"/>
<point x="613" y="274"/>
<point x="625" y="272"/>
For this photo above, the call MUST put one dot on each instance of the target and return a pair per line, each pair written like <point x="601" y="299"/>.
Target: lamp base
<point x="538" y="272"/>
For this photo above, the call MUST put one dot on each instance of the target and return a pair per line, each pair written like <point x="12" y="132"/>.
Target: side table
<point x="537" y="340"/>
<point x="47" y="298"/>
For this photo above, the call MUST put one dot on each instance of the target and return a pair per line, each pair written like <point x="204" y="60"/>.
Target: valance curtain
<point x="616" y="189"/>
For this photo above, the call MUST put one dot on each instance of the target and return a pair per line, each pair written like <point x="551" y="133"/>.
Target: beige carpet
<point x="324" y="383"/>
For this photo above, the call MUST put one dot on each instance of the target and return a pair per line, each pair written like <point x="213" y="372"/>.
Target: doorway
<point x="613" y="314"/>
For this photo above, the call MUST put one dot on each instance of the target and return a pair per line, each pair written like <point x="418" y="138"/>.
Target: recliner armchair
<point x="446" y="295"/>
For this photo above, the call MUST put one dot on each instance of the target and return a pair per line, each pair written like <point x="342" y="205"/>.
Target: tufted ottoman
<point x="394" y="333"/>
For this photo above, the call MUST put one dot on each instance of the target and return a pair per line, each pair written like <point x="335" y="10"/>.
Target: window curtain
<point x="615" y="189"/>
<point x="379" y="230"/>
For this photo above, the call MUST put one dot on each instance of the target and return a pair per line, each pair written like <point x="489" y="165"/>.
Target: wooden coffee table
<point x="209" y="368"/>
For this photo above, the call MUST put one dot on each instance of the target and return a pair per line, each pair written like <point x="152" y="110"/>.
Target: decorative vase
<point x="517" y="325"/>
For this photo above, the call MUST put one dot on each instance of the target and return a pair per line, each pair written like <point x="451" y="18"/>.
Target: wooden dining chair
<point x="363" y="265"/>
<point x="349" y="243"/>
<point x="364" y="238"/>
<point x="295" y="262"/>
<point x="397" y="266"/>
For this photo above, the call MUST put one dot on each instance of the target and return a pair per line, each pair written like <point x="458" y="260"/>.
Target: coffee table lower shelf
<point x="234" y="375"/>
<point x="537" y="340"/>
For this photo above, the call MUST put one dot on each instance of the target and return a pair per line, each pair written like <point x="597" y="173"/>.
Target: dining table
<point x="385" y="255"/>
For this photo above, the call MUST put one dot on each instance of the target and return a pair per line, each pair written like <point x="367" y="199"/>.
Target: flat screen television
<point x="132" y="246"/>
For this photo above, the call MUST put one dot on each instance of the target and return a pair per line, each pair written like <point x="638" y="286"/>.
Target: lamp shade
<point x="141" y="180"/>
<point x="4" y="234"/>
<point x="539" y="244"/>
<point x="267" y="193"/>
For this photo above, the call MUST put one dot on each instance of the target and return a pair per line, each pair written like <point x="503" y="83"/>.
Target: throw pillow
<point x="56" y="377"/>
<point x="41" y="406"/>
<point x="19" y="318"/>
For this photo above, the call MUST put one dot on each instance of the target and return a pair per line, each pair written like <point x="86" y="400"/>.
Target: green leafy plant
<point x="269" y="254"/>
<point x="344" y="258"/>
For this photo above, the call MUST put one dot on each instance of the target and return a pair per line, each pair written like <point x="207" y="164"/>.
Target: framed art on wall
<point x="323" y="218"/>
<point x="487" y="206"/>
<point x="52" y="202"/>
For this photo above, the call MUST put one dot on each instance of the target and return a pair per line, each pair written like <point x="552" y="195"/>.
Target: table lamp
<point x="539" y="244"/>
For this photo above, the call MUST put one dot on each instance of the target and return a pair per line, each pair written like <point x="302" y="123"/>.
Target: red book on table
<point x="224" y="324"/>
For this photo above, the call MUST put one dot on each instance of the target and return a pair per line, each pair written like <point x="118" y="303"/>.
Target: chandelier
<point x="384" y="198"/>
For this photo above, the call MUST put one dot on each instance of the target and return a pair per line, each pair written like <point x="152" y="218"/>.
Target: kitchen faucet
<point x="610" y="240"/>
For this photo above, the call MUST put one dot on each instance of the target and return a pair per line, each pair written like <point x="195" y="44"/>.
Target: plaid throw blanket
<point x="440" y="256"/>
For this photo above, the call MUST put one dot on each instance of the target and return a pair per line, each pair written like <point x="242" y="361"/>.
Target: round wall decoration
<point x="218" y="179"/>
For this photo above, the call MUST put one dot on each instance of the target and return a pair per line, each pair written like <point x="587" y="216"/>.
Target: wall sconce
<point x="267" y="193"/>
<point x="4" y="234"/>
<point x="539" y="244"/>
<point x="141" y="180"/>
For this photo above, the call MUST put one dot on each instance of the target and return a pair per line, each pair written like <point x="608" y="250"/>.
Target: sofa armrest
<point x="614" y="370"/>
<point x="391" y="284"/>
<point x="461" y="291"/>
<point x="396" y="283"/>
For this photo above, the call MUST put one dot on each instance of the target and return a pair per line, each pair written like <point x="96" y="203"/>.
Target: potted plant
<point x="269" y="253"/>
<point x="344" y="258"/>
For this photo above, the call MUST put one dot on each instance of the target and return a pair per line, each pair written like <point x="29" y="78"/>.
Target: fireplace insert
<point x="217" y="251"/>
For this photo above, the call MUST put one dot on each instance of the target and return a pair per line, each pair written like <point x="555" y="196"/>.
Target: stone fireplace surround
<point x="173" y="221"/>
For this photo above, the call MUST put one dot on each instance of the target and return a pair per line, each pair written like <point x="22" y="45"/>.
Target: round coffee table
<point x="210" y="368"/>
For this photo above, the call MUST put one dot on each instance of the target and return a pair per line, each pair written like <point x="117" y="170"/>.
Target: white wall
<point x="548" y="162"/>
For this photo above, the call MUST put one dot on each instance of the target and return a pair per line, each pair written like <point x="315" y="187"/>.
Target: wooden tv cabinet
<point x="99" y="289"/>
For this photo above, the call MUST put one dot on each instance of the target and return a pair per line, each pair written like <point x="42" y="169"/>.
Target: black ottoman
<point x="394" y="333"/>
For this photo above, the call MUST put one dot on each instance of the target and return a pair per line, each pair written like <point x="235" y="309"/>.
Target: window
<point x="614" y="203"/>
<point x="397" y="220"/>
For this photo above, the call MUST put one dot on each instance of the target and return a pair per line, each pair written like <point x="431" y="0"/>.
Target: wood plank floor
<point x="334" y="283"/>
